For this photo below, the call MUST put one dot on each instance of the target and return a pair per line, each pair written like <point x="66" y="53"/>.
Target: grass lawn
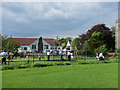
<point x="71" y="76"/>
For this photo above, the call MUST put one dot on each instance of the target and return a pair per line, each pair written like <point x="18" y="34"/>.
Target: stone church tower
<point x="117" y="34"/>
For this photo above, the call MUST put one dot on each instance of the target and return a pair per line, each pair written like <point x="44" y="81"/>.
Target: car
<point x="111" y="54"/>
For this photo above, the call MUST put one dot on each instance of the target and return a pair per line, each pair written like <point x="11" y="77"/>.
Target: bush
<point x="68" y="63"/>
<point x="6" y="67"/>
<point x="22" y="66"/>
<point x="40" y="65"/>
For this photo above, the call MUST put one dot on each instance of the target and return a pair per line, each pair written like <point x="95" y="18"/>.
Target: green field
<point x="103" y="75"/>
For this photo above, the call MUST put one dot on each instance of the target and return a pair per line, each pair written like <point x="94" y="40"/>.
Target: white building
<point x="37" y="44"/>
<point x="68" y="46"/>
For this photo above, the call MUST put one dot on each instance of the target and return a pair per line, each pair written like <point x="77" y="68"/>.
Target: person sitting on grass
<point x="101" y="57"/>
<point x="97" y="57"/>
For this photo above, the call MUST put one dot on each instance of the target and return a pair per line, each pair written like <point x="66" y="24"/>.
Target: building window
<point x="22" y="48"/>
<point x="59" y="48"/>
<point x="46" y="46"/>
<point x="33" y="46"/>
<point x="25" y="48"/>
<point x="51" y="48"/>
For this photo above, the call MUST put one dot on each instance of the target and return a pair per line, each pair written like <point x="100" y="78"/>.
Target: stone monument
<point x="117" y="34"/>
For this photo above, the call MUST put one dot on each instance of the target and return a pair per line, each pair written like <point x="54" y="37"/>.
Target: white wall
<point x="45" y="43"/>
<point x="29" y="47"/>
<point x="34" y="43"/>
<point x="21" y="49"/>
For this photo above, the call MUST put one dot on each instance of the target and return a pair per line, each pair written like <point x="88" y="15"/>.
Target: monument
<point x="117" y="34"/>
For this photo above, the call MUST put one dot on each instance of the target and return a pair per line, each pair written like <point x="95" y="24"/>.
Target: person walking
<point x="61" y="55"/>
<point x="69" y="56"/>
<point x="4" y="55"/>
<point x="48" y="54"/>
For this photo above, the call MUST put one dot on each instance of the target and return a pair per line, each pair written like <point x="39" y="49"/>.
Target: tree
<point x="86" y="49"/>
<point x="95" y="40"/>
<point x="101" y="49"/>
<point x="76" y="43"/>
<point x="57" y="43"/>
<point x="63" y="41"/>
<point x="3" y="41"/>
<point x="106" y="37"/>
<point x="8" y="44"/>
<point x="63" y="45"/>
<point x="68" y="39"/>
<point x="113" y="31"/>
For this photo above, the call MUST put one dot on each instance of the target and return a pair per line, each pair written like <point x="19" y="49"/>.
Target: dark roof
<point x="50" y="41"/>
<point x="28" y="41"/>
<point x="25" y="41"/>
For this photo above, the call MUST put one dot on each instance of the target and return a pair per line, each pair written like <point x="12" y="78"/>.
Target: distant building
<point x="117" y="34"/>
<point x="68" y="46"/>
<point x="36" y="44"/>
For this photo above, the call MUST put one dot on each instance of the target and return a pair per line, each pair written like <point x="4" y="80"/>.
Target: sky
<point x="62" y="19"/>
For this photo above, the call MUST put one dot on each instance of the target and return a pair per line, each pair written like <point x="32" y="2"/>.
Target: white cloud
<point x="60" y="1"/>
<point x="22" y="20"/>
<point x="47" y="10"/>
<point x="50" y="19"/>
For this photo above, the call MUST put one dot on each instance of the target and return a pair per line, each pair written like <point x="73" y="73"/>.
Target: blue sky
<point x="49" y="19"/>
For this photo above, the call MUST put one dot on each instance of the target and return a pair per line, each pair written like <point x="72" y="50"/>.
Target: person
<point x="48" y="54"/>
<point x="61" y="54"/>
<point x="101" y="57"/>
<point x="69" y="56"/>
<point x="39" y="57"/>
<point x="57" y="52"/>
<point x="65" y="54"/>
<point x="15" y="54"/>
<point x="4" y="55"/>
<point x="97" y="57"/>
<point x="21" y="55"/>
<point x="9" y="56"/>
<point x="27" y="56"/>
<point x="24" y="55"/>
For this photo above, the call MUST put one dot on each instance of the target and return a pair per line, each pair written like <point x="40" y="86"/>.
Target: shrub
<point x="40" y="65"/>
<point x="6" y="67"/>
<point x="22" y="66"/>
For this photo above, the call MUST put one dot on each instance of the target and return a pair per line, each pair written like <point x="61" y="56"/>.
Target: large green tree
<point x="96" y="40"/>
<point x="76" y="43"/>
<point x="8" y="44"/>
<point x="98" y="35"/>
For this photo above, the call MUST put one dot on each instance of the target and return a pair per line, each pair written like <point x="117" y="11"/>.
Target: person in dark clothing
<point x="61" y="55"/>
<point x="15" y="54"/>
<point x="69" y="56"/>
<point x="4" y="60"/>
<point x="48" y="54"/>
<point x="4" y="55"/>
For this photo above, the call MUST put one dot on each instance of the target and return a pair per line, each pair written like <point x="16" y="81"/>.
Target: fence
<point x="37" y="57"/>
